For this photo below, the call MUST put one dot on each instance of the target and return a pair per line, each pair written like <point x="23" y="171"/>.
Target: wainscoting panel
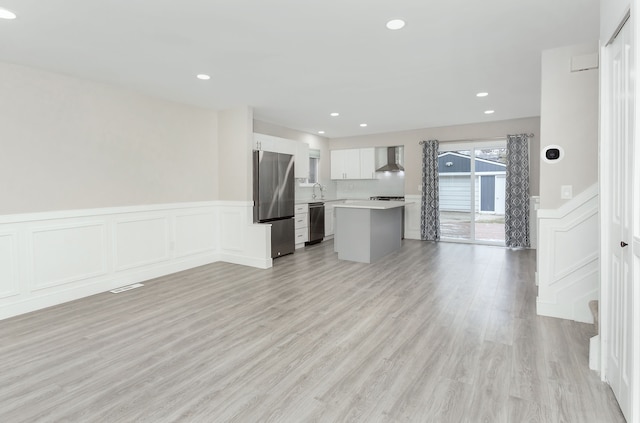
<point x="67" y="253"/>
<point x="231" y="219"/>
<point x="195" y="233"/>
<point x="412" y="216"/>
<point x="51" y="258"/>
<point x="241" y="240"/>
<point x="140" y="242"/>
<point x="8" y="265"/>
<point x="568" y="258"/>
<point x="576" y="255"/>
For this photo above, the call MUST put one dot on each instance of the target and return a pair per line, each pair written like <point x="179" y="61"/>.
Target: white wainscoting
<point x="243" y="242"/>
<point x="64" y="253"/>
<point x="412" y="216"/>
<point x="568" y="258"/>
<point x="194" y="233"/>
<point x="8" y="264"/>
<point x="140" y="241"/>
<point x="50" y="258"/>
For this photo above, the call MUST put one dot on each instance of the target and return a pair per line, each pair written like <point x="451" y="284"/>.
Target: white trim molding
<point x="51" y="258"/>
<point x="568" y="258"/>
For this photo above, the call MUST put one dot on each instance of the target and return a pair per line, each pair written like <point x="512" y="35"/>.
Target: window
<point x="314" y="164"/>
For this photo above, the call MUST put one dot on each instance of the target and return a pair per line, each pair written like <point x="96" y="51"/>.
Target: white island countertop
<point x="372" y="204"/>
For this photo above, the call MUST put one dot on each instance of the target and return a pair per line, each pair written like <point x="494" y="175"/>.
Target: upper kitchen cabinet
<point x="277" y="145"/>
<point x="354" y="163"/>
<point x="345" y="164"/>
<point x="298" y="149"/>
<point x="368" y="163"/>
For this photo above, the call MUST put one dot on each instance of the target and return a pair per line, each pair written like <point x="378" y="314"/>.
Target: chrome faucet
<point x="321" y="191"/>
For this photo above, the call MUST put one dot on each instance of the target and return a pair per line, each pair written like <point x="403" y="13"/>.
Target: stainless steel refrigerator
<point x="274" y="198"/>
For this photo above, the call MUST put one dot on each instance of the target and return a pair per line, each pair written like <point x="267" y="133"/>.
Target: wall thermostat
<point x="552" y="153"/>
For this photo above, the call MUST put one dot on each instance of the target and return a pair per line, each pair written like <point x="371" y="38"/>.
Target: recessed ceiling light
<point x="203" y="76"/>
<point x="335" y="114"/>
<point x="363" y="124"/>
<point x="488" y="112"/>
<point x="320" y="132"/>
<point x="7" y="14"/>
<point x="394" y="24"/>
<point x="482" y="94"/>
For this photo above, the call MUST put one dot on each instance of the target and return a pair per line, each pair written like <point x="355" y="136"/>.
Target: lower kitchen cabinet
<point x="301" y="220"/>
<point x="329" y="216"/>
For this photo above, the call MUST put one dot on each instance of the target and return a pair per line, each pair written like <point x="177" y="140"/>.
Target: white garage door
<point x="455" y="193"/>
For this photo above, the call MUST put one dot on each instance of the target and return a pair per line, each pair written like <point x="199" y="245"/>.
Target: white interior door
<point x="618" y="294"/>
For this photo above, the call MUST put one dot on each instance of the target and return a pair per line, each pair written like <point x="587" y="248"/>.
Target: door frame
<point x="472" y="145"/>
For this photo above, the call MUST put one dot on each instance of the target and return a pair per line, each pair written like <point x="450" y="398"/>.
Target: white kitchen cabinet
<point x="337" y="166"/>
<point x="345" y="164"/>
<point x="329" y="216"/>
<point x="301" y="222"/>
<point x="353" y="163"/>
<point x="298" y="149"/>
<point x="368" y="163"/>
<point x="277" y="145"/>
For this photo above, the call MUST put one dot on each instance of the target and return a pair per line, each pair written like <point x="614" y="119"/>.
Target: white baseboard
<point x="259" y="262"/>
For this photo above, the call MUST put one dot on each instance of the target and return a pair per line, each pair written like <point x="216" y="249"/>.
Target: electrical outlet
<point x="566" y="192"/>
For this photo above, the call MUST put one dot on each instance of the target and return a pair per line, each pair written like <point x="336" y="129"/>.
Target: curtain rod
<point x="479" y="139"/>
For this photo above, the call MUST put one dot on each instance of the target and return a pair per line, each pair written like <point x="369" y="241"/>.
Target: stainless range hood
<point x="392" y="161"/>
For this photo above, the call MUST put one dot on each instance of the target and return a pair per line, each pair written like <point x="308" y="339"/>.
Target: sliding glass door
<point x="472" y="191"/>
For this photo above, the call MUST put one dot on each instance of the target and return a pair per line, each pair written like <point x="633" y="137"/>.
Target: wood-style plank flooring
<point x="436" y="332"/>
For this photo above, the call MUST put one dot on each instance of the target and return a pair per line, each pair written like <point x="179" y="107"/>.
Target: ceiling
<point x="296" y="61"/>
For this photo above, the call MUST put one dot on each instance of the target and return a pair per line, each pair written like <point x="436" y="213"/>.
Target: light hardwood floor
<point x="432" y="333"/>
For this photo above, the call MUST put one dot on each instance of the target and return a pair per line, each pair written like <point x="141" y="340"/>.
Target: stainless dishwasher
<point x="316" y="222"/>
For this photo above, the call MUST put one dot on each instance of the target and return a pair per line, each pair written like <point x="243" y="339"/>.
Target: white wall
<point x="569" y="119"/>
<point x="104" y="187"/>
<point x="68" y="144"/>
<point x="568" y="244"/>
<point x="413" y="152"/>
<point x="235" y="138"/>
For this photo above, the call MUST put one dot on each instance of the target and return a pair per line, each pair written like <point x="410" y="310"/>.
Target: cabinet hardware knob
<point x="623" y="244"/>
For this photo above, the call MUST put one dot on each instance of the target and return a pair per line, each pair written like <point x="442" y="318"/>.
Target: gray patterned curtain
<point x="430" y="210"/>
<point x="516" y="204"/>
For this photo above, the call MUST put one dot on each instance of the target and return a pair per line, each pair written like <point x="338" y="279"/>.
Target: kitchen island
<point x="368" y="230"/>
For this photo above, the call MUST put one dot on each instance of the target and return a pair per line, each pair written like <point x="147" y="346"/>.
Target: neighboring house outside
<point x="455" y="188"/>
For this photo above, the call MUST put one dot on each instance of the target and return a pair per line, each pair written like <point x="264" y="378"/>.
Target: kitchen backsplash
<point x="387" y="183"/>
<point x="305" y="191"/>
<point x="390" y="183"/>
